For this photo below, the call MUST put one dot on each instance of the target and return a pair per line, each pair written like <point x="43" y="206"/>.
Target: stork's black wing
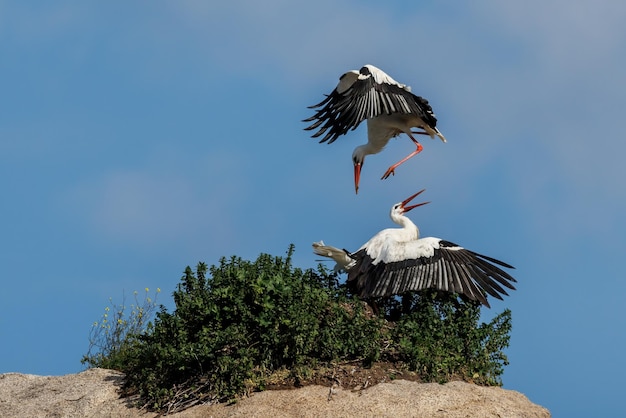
<point x="446" y="267"/>
<point x="358" y="97"/>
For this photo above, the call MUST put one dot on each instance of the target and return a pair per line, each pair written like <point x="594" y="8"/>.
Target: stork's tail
<point x="440" y="135"/>
<point x="341" y="257"/>
<point x="432" y="131"/>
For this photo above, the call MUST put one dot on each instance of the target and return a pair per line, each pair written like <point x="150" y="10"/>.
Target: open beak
<point x="407" y="200"/>
<point x="357" y="177"/>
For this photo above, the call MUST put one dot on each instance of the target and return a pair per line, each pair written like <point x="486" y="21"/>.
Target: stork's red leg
<point x="391" y="170"/>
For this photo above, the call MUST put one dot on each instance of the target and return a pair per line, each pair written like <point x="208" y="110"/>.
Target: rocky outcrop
<point x="93" y="394"/>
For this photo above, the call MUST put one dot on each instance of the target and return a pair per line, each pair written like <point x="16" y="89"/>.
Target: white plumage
<point x="397" y="260"/>
<point x="388" y="106"/>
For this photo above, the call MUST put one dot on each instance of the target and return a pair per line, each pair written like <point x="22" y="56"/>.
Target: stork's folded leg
<point x="391" y="170"/>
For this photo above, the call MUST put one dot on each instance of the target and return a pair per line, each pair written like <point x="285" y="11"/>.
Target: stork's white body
<point x="380" y="130"/>
<point x="388" y="106"/>
<point x="396" y="260"/>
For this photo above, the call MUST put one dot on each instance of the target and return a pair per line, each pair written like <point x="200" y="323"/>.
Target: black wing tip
<point x="491" y="259"/>
<point x="484" y="301"/>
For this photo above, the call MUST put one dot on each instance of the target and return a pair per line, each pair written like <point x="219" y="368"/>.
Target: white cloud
<point x="572" y="174"/>
<point x="169" y="199"/>
<point x="582" y="32"/>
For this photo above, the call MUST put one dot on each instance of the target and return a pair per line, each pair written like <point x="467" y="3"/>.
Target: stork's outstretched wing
<point x="429" y="263"/>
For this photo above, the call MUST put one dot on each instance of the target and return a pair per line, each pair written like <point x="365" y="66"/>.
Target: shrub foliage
<point x="237" y="324"/>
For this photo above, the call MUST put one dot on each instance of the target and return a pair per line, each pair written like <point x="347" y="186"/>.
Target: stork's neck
<point x="409" y="230"/>
<point x="366" y="149"/>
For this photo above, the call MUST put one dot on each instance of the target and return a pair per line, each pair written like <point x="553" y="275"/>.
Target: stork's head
<point x="358" y="158"/>
<point x="401" y="208"/>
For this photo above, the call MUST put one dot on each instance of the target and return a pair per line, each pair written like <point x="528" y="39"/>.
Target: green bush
<point x="237" y="325"/>
<point x="234" y="327"/>
<point x="440" y="339"/>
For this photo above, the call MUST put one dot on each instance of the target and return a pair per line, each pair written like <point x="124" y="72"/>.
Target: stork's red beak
<point x="408" y="199"/>
<point x="357" y="177"/>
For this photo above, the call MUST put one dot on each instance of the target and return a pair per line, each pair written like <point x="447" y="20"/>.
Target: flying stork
<point x="389" y="107"/>
<point x="397" y="260"/>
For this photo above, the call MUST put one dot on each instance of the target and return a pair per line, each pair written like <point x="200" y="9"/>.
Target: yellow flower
<point x="147" y="290"/>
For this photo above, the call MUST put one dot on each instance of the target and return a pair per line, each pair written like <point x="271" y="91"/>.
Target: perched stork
<point x="389" y="107"/>
<point x="397" y="260"/>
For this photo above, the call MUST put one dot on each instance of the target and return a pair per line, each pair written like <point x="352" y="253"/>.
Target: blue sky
<point x="137" y="138"/>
